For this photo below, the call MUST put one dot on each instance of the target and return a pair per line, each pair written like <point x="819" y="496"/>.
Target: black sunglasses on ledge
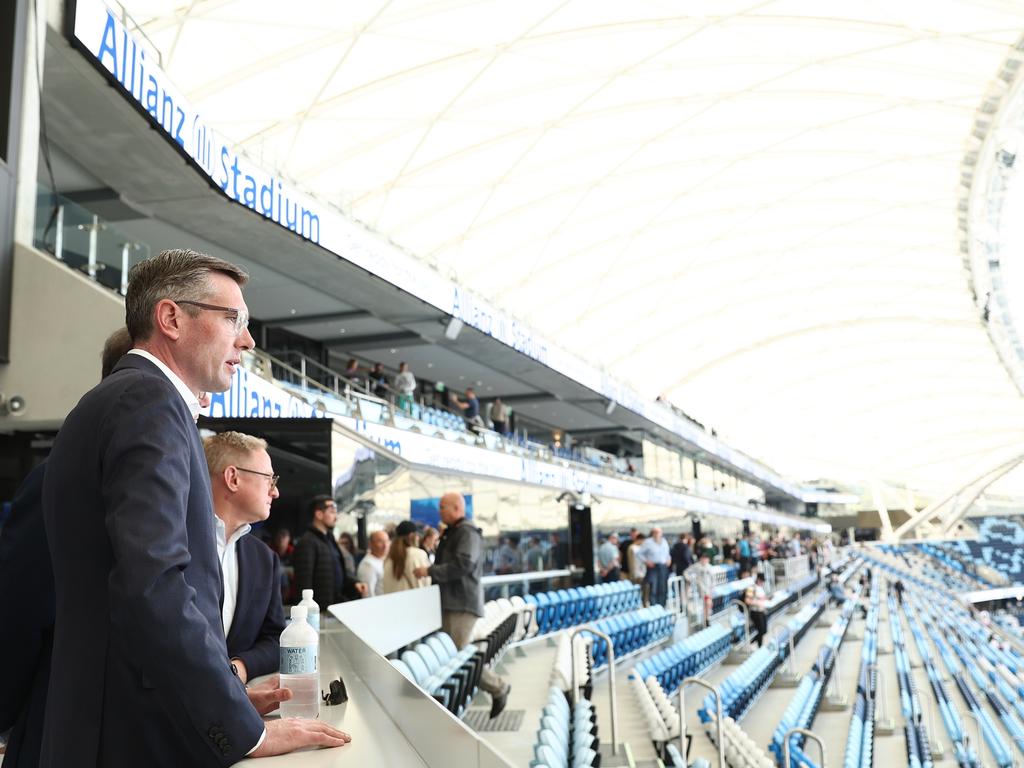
<point x="338" y="694"/>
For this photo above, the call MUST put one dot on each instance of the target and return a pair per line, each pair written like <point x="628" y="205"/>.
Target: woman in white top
<point x="403" y="558"/>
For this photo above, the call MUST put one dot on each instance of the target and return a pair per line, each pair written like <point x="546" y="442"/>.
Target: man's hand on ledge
<point x="284" y="736"/>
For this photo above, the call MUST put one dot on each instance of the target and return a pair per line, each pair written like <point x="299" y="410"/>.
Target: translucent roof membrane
<point x="750" y="208"/>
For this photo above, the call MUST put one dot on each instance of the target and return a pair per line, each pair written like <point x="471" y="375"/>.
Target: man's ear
<point x="230" y="476"/>
<point x="167" y="319"/>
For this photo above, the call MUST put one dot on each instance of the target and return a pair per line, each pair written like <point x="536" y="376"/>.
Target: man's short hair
<point x="316" y="503"/>
<point x="226" y="449"/>
<point x="114" y="348"/>
<point x="180" y="275"/>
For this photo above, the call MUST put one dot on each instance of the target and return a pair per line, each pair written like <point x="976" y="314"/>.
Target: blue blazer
<point x="26" y="603"/>
<point x="140" y="672"/>
<point x="259" y="618"/>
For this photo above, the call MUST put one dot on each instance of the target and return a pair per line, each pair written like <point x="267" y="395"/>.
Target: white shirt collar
<point x="186" y="394"/>
<point x="222" y="541"/>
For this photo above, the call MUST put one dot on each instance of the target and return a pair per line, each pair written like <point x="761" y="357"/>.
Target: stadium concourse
<point x="613" y="384"/>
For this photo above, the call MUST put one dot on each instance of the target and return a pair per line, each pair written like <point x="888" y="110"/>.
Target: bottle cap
<point x="307" y="594"/>
<point x="298" y="613"/>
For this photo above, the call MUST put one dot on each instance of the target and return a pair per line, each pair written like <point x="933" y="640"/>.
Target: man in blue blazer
<point x="140" y="673"/>
<point x="244" y="486"/>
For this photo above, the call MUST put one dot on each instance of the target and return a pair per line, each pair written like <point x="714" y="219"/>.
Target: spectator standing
<point x="757" y="604"/>
<point x="682" y="555"/>
<point x="318" y="562"/>
<point x="533" y="560"/>
<point x="507" y="559"/>
<point x="404" y="557"/>
<point x="728" y="551"/>
<point x="377" y="381"/>
<point x="702" y="579"/>
<point x="743" y="548"/>
<point x="656" y="556"/>
<point x="625" y="552"/>
<point x="348" y="554"/>
<point x="638" y="567"/>
<point x="457" y="570"/>
<point x="405" y="383"/>
<point x="371" y="569"/>
<point x="352" y="370"/>
<point x="608" y="561"/>
<point x="470" y="408"/>
<point x="429" y="542"/>
<point x="499" y="417"/>
<point x="251" y="607"/>
<point x="558" y="551"/>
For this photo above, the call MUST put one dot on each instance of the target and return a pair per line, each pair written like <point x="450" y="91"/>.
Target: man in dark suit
<point x="244" y="486"/>
<point x="140" y="673"/>
<point x="26" y="643"/>
<point x="318" y="562"/>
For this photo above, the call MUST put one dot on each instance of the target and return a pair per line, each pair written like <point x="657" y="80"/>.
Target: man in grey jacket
<point x="457" y="569"/>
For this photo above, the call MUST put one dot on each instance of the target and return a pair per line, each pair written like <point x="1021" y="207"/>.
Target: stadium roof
<point x="747" y="207"/>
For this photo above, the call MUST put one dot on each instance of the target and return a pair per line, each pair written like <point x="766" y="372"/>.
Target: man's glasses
<point x="239" y="317"/>
<point x="273" y="478"/>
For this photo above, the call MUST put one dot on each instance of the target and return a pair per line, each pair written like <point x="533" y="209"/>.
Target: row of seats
<point x="658" y="712"/>
<point x="742" y="688"/>
<point x="803" y="707"/>
<point x="501" y="625"/>
<point x="633" y="631"/>
<point x="449" y="675"/>
<point x="686" y="658"/>
<point x="567" y="737"/>
<point x="860" y="741"/>
<point x="949" y="715"/>
<point x="564" y="608"/>
<point x="741" y="751"/>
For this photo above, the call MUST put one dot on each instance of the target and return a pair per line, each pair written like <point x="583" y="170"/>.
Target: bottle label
<point x="298" y="660"/>
<point x="314" y="620"/>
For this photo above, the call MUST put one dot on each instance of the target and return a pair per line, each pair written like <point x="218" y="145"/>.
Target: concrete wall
<point x="59" y="322"/>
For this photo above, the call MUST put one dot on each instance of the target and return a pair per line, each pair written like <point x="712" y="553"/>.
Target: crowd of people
<point x="400" y="389"/>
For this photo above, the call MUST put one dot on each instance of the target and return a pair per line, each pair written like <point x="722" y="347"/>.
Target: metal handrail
<point x="718" y="716"/>
<point x="611" y="677"/>
<point x="802" y="732"/>
<point x="746" y="620"/>
<point x="789" y="657"/>
<point x="981" y="736"/>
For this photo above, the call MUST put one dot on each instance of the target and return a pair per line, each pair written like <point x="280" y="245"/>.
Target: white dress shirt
<point x="227" y="551"/>
<point x="186" y="394"/>
<point x="371" y="573"/>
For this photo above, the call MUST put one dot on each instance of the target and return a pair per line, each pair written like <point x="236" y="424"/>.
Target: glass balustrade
<point x="84" y="240"/>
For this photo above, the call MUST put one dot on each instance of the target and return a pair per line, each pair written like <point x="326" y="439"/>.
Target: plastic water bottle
<point x="300" y="667"/>
<point x="312" y="609"/>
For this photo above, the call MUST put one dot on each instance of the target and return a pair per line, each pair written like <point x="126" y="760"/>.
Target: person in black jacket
<point x="244" y="486"/>
<point x="26" y="644"/>
<point x="682" y="555"/>
<point x="317" y="559"/>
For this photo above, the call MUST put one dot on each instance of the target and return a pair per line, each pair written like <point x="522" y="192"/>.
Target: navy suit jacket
<point x="140" y="672"/>
<point x="259" y="618"/>
<point x="26" y="603"/>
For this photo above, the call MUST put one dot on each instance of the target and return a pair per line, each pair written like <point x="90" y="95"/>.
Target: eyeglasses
<point x="240" y="319"/>
<point x="273" y="478"/>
